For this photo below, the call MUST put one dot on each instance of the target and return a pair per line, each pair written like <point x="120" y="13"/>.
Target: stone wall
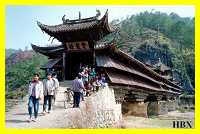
<point x="135" y="108"/>
<point x="162" y="107"/>
<point x="97" y="111"/>
<point x="186" y="102"/>
<point x="172" y="105"/>
<point x="152" y="108"/>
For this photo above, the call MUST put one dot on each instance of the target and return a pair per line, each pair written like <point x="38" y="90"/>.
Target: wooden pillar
<point x="94" y="55"/>
<point x="64" y="66"/>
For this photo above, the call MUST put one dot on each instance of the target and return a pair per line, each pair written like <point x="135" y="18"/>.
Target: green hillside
<point x="151" y="35"/>
<point x="20" y="73"/>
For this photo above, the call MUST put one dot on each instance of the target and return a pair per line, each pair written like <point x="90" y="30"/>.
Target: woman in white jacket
<point x="49" y="88"/>
<point x="35" y="92"/>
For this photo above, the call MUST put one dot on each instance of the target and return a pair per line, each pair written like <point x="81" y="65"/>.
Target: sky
<point x="22" y="29"/>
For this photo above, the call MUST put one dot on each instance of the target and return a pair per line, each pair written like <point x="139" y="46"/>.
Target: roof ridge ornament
<point x="79" y="15"/>
<point x="68" y="21"/>
<point x="98" y="13"/>
<point x="64" y="19"/>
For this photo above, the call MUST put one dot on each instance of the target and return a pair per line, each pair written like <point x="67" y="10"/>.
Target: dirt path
<point x="18" y="115"/>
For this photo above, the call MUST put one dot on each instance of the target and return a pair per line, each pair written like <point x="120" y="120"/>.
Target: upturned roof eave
<point x="61" y="28"/>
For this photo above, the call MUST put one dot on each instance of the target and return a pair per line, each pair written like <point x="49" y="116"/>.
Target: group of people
<point x="41" y="90"/>
<point x="87" y="81"/>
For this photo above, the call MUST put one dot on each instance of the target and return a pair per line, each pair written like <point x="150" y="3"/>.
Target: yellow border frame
<point x="195" y="3"/>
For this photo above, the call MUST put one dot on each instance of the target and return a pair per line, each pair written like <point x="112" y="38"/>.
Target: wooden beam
<point x="64" y="66"/>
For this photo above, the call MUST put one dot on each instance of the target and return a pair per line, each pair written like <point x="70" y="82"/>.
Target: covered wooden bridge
<point x="140" y="89"/>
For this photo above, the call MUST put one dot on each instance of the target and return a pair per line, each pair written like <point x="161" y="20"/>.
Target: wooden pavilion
<point x="131" y="79"/>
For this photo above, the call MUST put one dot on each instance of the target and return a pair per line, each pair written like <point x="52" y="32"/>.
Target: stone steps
<point x="60" y="93"/>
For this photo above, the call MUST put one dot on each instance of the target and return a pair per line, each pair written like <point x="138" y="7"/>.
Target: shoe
<point x="75" y="106"/>
<point x="29" y="120"/>
<point x="49" y="112"/>
<point x="34" y="120"/>
<point x="44" y="113"/>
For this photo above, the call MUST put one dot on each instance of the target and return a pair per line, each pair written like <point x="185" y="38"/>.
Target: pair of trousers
<point x="47" y="100"/>
<point x="77" y="96"/>
<point x="33" y="103"/>
<point x="82" y="96"/>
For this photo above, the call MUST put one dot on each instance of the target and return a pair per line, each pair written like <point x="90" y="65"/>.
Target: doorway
<point x="73" y="61"/>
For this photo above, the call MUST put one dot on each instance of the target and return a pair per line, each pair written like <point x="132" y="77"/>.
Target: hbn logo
<point x="182" y="124"/>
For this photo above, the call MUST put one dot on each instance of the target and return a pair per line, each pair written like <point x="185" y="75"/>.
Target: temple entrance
<point x="73" y="61"/>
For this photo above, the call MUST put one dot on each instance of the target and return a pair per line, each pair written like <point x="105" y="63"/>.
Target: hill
<point x="20" y="66"/>
<point x="17" y="56"/>
<point x="10" y="51"/>
<point x="149" y="36"/>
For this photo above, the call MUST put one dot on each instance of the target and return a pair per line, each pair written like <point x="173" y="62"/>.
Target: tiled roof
<point x="106" y="61"/>
<point x="50" y="51"/>
<point x="51" y="63"/>
<point x="103" y="59"/>
<point x="123" y="79"/>
<point x="75" y="25"/>
<point x="68" y="27"/>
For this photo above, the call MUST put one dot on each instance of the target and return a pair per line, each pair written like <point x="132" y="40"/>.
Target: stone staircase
<point x="66" y="83"/>
<point x="60" y="97"/>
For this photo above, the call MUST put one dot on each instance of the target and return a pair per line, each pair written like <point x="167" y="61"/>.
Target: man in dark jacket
<point x="77" y="87"/>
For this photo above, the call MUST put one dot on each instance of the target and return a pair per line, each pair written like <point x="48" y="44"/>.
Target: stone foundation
<point x="172" y="105"/>
<point x="152" y="108"/>
<point x="135" y="108"/>
<point x="162" y="107"/>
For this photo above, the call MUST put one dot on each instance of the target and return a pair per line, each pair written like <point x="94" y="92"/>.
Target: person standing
<point x="56" y="85"/>
<point x="35" y="92"/>
<point x="77" y="87"/>
<point x="49" y="88"/>
<point x="88" y="88"/>
<point x="92" y="73"/>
